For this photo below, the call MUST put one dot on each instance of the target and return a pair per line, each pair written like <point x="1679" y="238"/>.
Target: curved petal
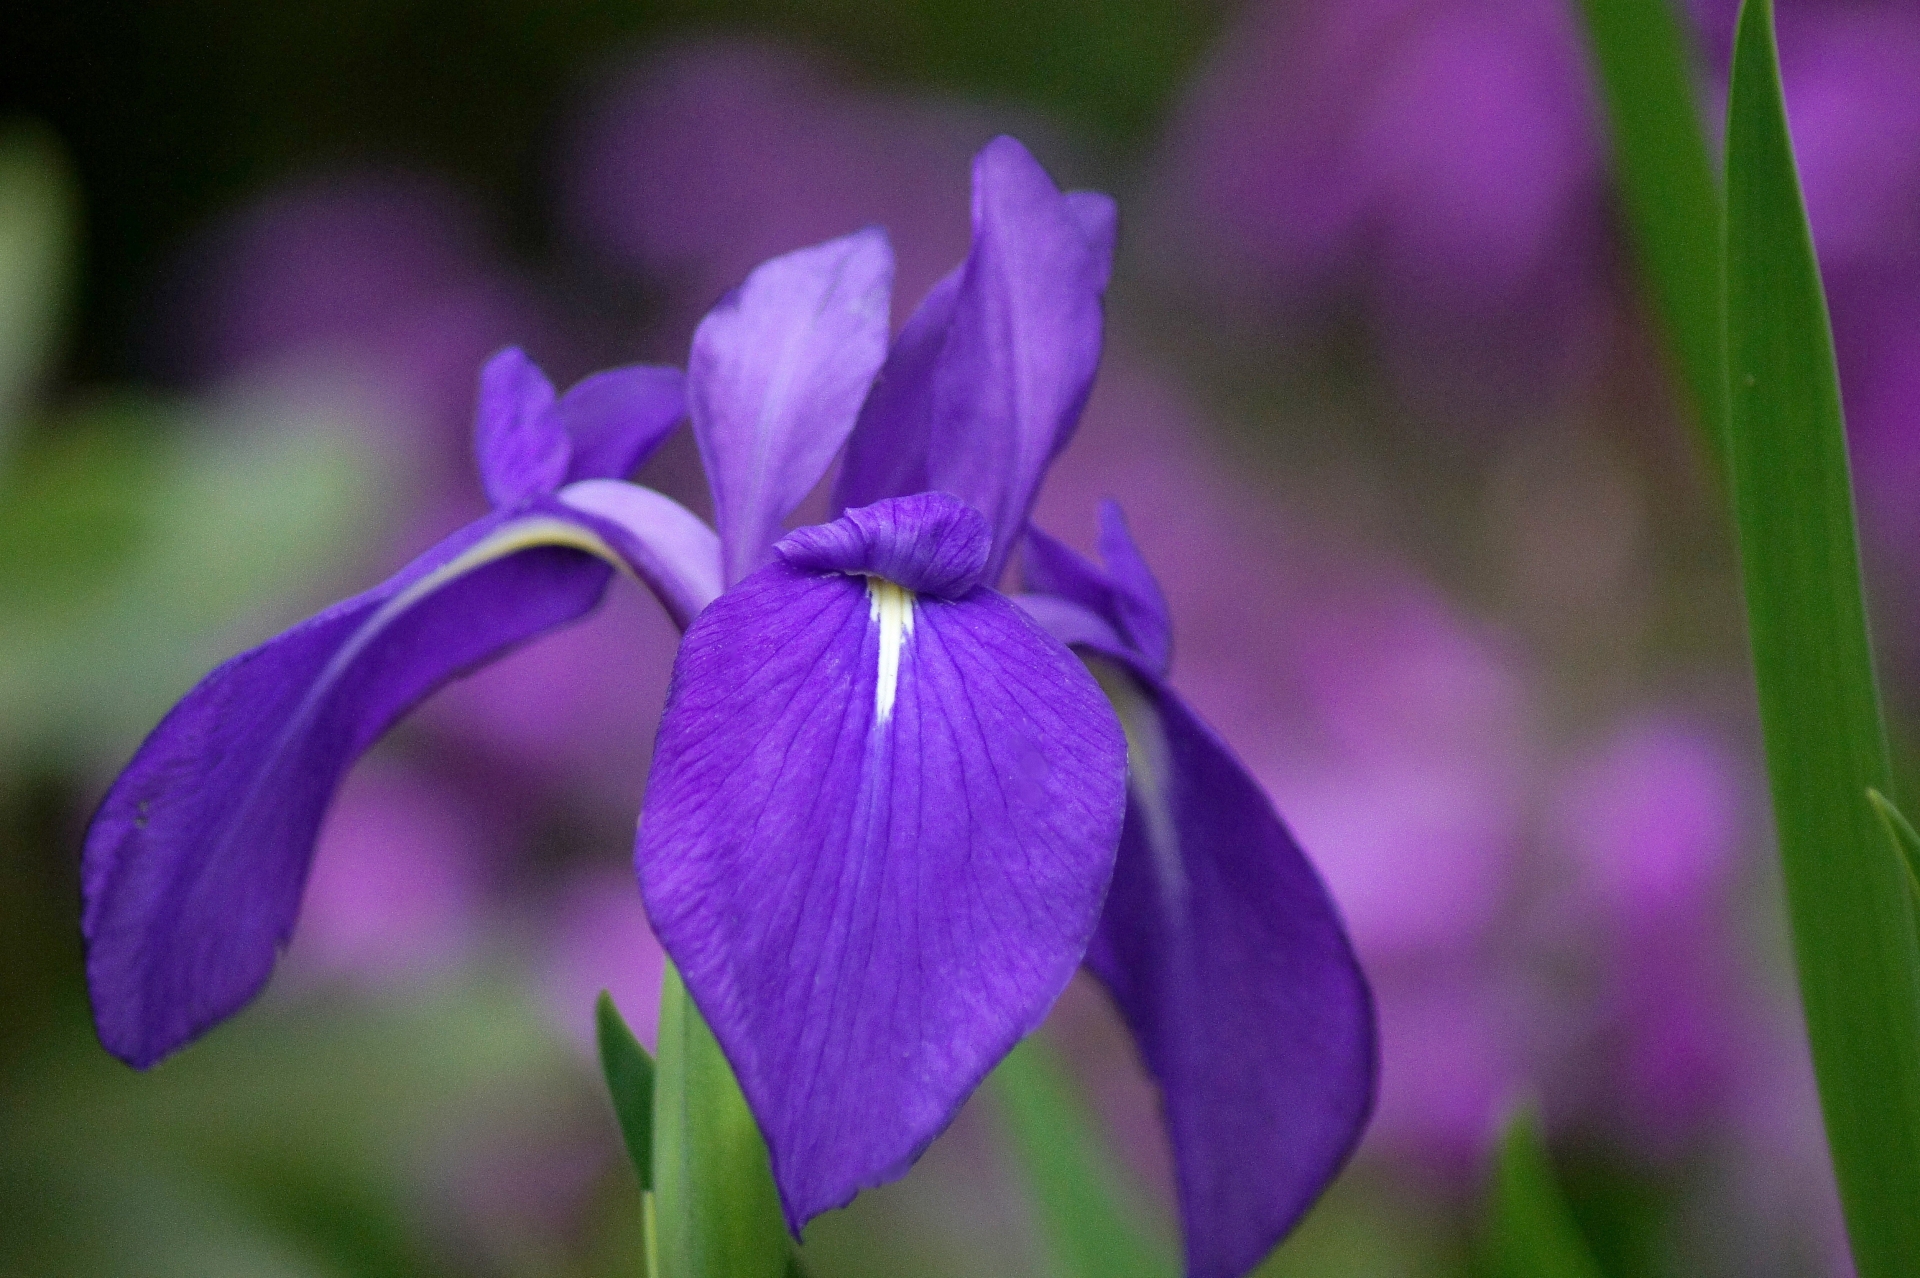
<point x="1024" y="344"/>
<point x="931" y="543"/>
<point x="775" y="378"/>
<point x="522" y="451"/>
<point x="1137" y="599"/>
<point x="617" y="418"/>
<point x="987" y="380"/>
<point x="663" y="544"/>
<point x="1075" y="625"/>
<point x="1124" y="593"/>
<point x="1229" y="962"/>
<point x="874" y="880"/>
<point x="195" y="862"/>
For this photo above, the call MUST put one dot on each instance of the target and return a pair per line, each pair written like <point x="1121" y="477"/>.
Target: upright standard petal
<point x="987" y="380"/>
<point x="195" y="862"/>
<point x="1230" y="964"/>
<point x="616" y="419"/>
<point x="887" y="452"/>
<point x="522" y="450"/>
<point x="776" y="377"/>
<point x="877" y="836"/>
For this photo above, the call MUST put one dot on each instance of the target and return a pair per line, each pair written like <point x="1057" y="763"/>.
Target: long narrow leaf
<point x="1534" y="1234"/>
<point x="1852" y="915"/>
<point x="1090" y="1222"/>
<point x="716" y="1212"/>
<point x="1667" y="190"/>
<point x="629" y="1072"/>
<point x="1901" y="834"/>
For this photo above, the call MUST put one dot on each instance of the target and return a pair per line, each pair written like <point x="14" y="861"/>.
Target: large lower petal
<point x="776" y="377"/>
<point x="194" y="864"/>
<point x="1229" y="962"/>
<point x="876" y="840"/>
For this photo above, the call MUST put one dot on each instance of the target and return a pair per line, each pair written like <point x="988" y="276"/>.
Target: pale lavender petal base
<point x="1229" y="962"/>
<point x="871" y="910"/>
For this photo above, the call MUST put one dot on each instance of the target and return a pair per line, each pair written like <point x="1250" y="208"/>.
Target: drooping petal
<point x="875" y="842"/>
<point x="1124" y="593"/>
<point x="521" y="449"/>
<point x="1229" y="962"/>
<point x="776" y="377"/>
<point x="194" y="863"/>
<point x="617" y="418"/>
<point x="987" y="381"/>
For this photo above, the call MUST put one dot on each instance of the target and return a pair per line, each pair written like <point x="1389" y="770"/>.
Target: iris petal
<point x="775" y="380"/>
<point x="617" y="418"/>
<point x="522" y="450"/>
<point x="875" y="876"/>
<point x="987" y="380"/>
<point x="1123" y="593"/>
<point x="1229" y="962"/>
<point x="195" y="862"/>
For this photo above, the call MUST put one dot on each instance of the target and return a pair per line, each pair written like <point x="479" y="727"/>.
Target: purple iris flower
<point x="887" y="801"/>
<point x="196" y="860"/>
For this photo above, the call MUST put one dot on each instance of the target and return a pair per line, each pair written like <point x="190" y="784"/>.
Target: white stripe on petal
<point x="891" y="607"/>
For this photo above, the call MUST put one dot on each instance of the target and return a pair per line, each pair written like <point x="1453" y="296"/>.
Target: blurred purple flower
<point x="1442" y="154"/>
<point x="599" y="939"/>
<point x="386" y="278"/>
<point x="396" y="883"/>
<point x="701" y="161"/>
<point x="1652" y="819"/>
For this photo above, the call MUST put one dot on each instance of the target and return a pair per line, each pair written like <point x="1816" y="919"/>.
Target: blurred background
<point x="1382" y="399"/>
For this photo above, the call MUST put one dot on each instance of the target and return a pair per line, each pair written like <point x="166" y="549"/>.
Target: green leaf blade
<point x="1900" y="832"/>
<point x="1667" y="191"/>
<point x="629" y="1072"/>
<point x="1852" y="917"/>
<point x="716" y="1211"/>
<point x="1534" y="1233"/>
<point x="1090" y="1221"/>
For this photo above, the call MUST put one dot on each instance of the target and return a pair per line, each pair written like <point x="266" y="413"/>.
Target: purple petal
<point x="1225" y="955"/>
<point x="522" y="450"/>
<point x="662" y="543"/>
<point x="1023" y="345"/>
<point x="776" y="377"/>
<point x="194" y="864"/>
<point x="931" y="543"/>
<point x="887" y="452"/>
<point x="875" y="842"/>
<point x="1099" y="219"/>
<point x="1125" y="594"/>
<point x="1137" y="598"/>
<point x="1074" y="625"/>
<point x="986" y="382"/>
<point x="617" y="418"/>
